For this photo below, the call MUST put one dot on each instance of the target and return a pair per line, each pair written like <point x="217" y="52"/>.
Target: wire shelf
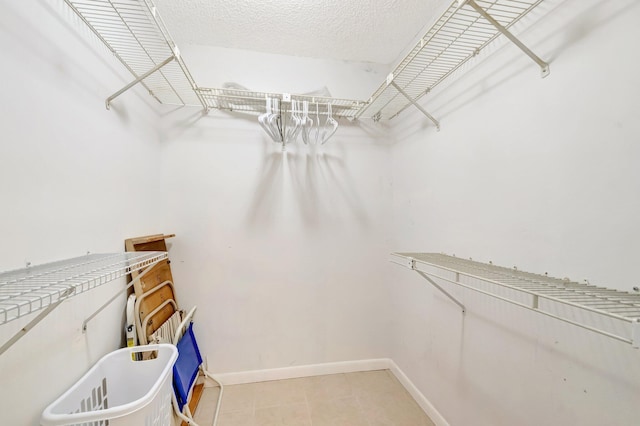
<point x="34" y="288"/>
<point x="456" y="37"/>
<point x="135" y="33"/>
<point x="255" y="102"/>
<point x="562" y="299"/>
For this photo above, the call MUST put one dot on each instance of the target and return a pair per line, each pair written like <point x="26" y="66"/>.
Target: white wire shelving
<point x="255" y="102"/>
<point x="135" y="33"/>
<point x="34" y="288"/>
<point x="613" y="313"/>
<point x="463" y="30"/>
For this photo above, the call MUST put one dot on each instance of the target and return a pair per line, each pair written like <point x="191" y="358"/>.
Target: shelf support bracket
<point x="412" y="265"/>
<point x="101" y="308"/>
<point x="115" y="296"/>
<point x="433" y="283"/>
<point x="24" y="330"/>
<point x="138" y="80"/>
<point x="415" y="104"/>
<point x="544" y="66"/>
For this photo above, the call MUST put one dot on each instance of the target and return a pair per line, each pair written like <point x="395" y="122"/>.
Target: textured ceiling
<point x="357" y="30"/>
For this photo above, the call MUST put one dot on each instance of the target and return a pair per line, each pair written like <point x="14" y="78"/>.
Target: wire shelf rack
<point x="255" y="102"/>
<point x="135" y="33"/>
<point x="456" y="37"/>
<point x="613" y="313"/>
<point x="31" y="289"/>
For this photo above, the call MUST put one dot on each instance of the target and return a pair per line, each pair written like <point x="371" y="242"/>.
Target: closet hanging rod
<point x="254" y="102"/>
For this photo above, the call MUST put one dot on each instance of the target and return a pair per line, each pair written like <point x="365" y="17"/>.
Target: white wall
<point x="78" y="178"/>
<point x="268" y="72"/>
<point x="538" y="173"/>
<point x="283" y="253"/>
<point x="74" y="178"/>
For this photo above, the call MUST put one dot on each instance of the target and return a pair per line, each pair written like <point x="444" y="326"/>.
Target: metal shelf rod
<point x="137" y="80"/>
<point x="433" y="283"/>
<point x="417" y="105"/>
<point x="544" y="67"/>
<point x="24" y="330"/>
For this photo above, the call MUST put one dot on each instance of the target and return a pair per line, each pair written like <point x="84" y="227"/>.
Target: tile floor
<point x="372" y="398"/>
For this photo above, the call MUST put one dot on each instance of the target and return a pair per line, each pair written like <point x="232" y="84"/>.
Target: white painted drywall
<point x="267" y="72"/>
<point x="284" y="253"/>
<point x="73" y="178"/>
<point x="538" y="173"/>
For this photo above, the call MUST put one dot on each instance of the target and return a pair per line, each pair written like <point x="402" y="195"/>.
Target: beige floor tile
<point x="371" y="382"/>
<point x="207" y="405"/>
<point x="372" y="398"/>
<point x="332" y="409"/>
<point x="269" y="416"/>
<point x="236" y="418"/>
<point x="393" y="408"/>
<point x="381" y="422"/>
<point x="238" y="397"/>
<point x="332" y="386"/>
<point x="278" y="392"/>
<point x="342" y="421"/>
<point x="295" y="415"/>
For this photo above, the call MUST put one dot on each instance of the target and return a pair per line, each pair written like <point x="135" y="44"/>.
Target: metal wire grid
<point x="34" y="288"/>
<point x="455" y="38"/>
<point x="255" y="102"/>
<point x="612" y="303"/>
<point x="135" y="33"/>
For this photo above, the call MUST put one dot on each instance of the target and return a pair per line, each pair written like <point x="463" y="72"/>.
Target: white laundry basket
<point x="119" y="391"/>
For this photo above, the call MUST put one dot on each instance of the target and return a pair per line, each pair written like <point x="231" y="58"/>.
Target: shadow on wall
<point x="66" y="63"/>
<point x="318" y="183"/>
<point x="578" y="26"/>
<point x="515" y="346"/>
<point x="481" y="76"/>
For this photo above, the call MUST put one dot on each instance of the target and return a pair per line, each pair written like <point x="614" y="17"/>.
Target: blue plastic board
<point x="185" y="370"/>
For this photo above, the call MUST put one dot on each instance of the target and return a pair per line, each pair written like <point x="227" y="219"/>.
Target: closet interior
<point x="319" y="256"/>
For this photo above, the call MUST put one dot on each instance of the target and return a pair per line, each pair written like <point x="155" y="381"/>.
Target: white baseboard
<point x="336" y="368"/>
<point x="422" y="400"/>
<point x="303" y="371"/>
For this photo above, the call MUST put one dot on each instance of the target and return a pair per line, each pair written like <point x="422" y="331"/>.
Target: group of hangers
<point x="285" y="129"/>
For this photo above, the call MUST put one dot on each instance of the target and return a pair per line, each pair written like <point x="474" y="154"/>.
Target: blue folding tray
<point x="185" y="370"/>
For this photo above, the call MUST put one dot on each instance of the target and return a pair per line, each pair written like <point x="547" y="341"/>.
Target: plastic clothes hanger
<point x="275" y="122"/>
<point x="330" y="126"/>
<point x="294" y="128"/>
<point x="263" y="119"/>
<point x="298" y="122"/>
<point x="307" y="123"/>
<point x="317" y="123"/>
